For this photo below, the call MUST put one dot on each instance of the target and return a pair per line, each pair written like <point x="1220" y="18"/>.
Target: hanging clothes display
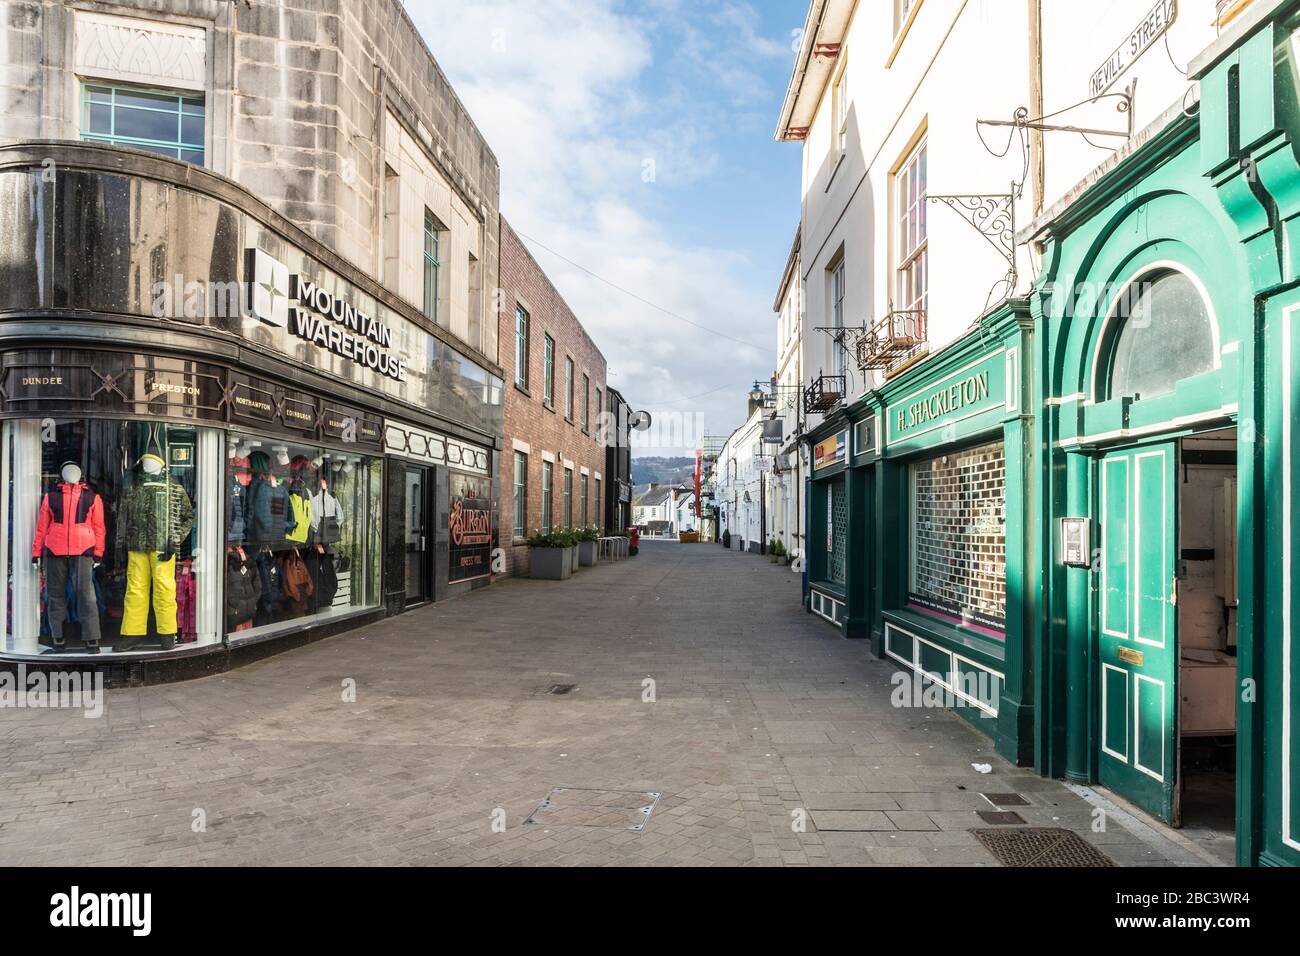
<point x="267" y="515"/>
<point x="326" y="516"/>
<point x="68" y="545"/>
<point x="243" y="589"/>
<point x="186" y="610"/>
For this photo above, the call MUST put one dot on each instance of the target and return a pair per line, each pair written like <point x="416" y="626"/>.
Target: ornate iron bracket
<point x="993" y="216"/>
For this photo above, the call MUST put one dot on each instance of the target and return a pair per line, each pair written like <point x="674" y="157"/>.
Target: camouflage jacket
<point x="156" y="515"/>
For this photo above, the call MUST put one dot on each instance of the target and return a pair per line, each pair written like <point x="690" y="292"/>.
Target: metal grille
<point x="959" y="547"/>
<point x="1041" y="846"/>
<point x="839" y="518"/>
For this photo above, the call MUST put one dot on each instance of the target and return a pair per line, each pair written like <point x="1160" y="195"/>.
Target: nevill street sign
<point x="1150" y="29"/>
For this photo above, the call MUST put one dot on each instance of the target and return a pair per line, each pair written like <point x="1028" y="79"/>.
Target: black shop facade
<point x="219" y="439"/>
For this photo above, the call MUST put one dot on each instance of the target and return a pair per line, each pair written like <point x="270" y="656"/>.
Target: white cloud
<point x="573" y="102"/>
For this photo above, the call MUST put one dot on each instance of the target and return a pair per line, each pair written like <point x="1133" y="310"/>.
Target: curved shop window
<point x="1164" y="332"/>
<point x="302" y="534"/>
<point x="110" y="536"/>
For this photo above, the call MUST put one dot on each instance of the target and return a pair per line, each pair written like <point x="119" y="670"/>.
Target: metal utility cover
<point x="1041" y="846"/>
<point x="1001" y="800"/>
<point x="580" y="807"/>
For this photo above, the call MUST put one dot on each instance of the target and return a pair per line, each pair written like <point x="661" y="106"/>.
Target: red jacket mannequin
<point x="71" y="522"/>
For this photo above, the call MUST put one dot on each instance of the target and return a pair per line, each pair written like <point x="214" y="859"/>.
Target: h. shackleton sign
<point x="967" y="392"/>
<point x="316" y="315"/>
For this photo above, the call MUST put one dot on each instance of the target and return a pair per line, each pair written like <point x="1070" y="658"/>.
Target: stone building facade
<point x="244" y="251"/>
<point x="332" y="112"/>
<point x="554" y="437"/>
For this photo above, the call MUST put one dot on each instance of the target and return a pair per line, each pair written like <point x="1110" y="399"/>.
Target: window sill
<point x="549" y="406"/>
<point x="826" y="587"/>
<point x="982" y="648"/>
<point x="524" y="389"/>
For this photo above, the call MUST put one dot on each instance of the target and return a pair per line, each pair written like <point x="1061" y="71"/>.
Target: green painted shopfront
<point x="1075" y="523"/>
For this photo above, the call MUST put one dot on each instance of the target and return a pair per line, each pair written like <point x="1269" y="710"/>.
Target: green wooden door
<point x="1137" y="730"/>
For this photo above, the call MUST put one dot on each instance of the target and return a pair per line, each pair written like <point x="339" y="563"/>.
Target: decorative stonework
<point x="140" y="51"/>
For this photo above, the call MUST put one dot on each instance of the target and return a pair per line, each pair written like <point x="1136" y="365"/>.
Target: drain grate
<point x="576" y="806"/>
<point x="1001" y="800"/>
<point x="561" y="689"/>
<point x="1041" y="846"/>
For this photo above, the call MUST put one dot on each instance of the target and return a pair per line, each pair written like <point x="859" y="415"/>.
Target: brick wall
<point x="527" y="419"/>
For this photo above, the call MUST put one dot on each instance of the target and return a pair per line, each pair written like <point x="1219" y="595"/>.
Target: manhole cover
<point x="1041" y="846"/>
<point x="1000" y="817"/>
<point x="578" y="807"/>
<point x="1006" y="799"/>
<point x="560" y="689"/>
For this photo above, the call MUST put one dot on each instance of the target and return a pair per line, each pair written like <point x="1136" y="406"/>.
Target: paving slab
<point x="761" y="716"/>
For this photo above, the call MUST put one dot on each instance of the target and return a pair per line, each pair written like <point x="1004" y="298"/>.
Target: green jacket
<point x="156" y="515"/>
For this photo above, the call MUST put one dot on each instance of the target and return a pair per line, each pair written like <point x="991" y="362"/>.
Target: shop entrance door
<point x="1137" y="621"/>
<point x="419" y="534"/>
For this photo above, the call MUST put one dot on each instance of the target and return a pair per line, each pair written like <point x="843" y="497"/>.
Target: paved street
<point x="759" y="711"/>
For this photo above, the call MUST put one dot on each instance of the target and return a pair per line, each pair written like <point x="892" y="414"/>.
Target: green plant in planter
<point x="726" y="539"/>
<point x="632" y="550"/>
<point x="552" y="539"/>
<point x="587" y="534"/>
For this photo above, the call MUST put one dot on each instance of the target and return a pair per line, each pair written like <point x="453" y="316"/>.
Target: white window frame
<point x="910" y="241"/>
<point x="839" y="280"/>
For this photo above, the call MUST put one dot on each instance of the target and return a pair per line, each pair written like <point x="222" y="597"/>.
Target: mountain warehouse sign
<point x="336" y="325"/>
<point x="318" y="316"/>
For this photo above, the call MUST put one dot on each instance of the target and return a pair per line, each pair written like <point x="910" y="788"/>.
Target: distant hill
<point x="663" y="470"/>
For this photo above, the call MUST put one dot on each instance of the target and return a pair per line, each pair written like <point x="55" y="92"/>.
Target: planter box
<point x="549" y="564"/>
<point x="588" y="553"/>
<point x="573" y="558"/>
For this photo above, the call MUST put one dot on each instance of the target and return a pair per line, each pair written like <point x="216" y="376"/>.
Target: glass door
<point x="419" y="565"/>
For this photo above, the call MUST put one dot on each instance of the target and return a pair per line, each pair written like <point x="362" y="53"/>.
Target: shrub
<point x="587" y="534"/>
<point x="726" y="539"/>
<point x="632" y="550"/>
<point x="553" y="539"/>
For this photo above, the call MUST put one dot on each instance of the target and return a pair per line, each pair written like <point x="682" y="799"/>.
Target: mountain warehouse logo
<point x="77" y="909"/>
<point x="316" y="315"/>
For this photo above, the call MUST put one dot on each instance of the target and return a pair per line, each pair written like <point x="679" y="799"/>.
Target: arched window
<point x="1163" y="333"/>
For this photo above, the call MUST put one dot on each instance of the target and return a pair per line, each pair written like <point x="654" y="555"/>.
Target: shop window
<point x="837" y="530"/>
<point x="1164" y="333"/>
<point x="521" y="495"/>
<point x="159" y="121"/>
<point x="958" y="533"/>
<point x="111" y="537"/>
<point x="302" y="533"/>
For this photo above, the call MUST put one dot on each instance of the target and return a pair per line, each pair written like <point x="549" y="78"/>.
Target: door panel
<point x="418" y="577"/>
<point x="1136" y="636"/>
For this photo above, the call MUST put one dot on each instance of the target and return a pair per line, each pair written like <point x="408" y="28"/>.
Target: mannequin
<point x="70" y="543"/>
<point x="155" y="519"/>
<point x="326" y="515"/>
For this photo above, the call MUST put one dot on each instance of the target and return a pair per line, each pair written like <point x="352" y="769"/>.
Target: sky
<point x="638" y="162"/>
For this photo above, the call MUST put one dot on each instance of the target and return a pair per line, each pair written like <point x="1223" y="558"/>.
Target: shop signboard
<point x="469" y="526"/>
<point x="935" y="410"/>
<point x="830" y="451"/>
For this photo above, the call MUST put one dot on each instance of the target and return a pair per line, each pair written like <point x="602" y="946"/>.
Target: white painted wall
<point x="960" y="60"/>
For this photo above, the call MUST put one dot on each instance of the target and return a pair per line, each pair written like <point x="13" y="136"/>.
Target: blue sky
<point x="635" y="141"/>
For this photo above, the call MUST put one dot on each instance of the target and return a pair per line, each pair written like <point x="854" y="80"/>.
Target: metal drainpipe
<point x="1036" y="153"/>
